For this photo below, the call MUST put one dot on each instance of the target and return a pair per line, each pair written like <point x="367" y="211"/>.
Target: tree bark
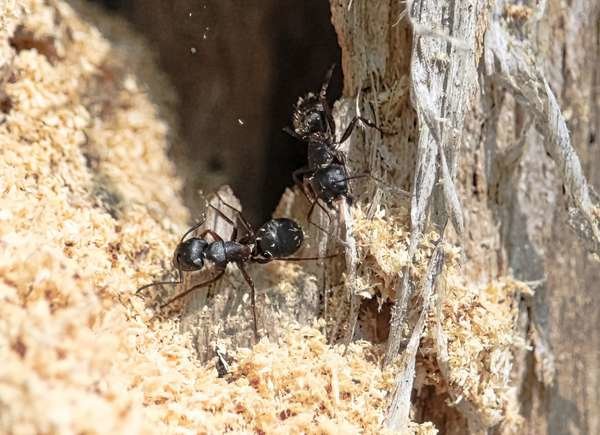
<point x="518" y="186"/>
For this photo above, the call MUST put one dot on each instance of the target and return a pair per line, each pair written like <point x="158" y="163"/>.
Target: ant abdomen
<point x="330" y="183"/>
<point x="279" y="238"/>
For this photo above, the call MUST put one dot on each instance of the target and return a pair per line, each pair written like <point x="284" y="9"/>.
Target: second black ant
<point x="277" y="239"/>
<point x="326" y="176"/>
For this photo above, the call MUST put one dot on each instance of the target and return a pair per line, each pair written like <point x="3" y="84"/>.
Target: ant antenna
<point x="191" y="289"/>
<point x="323" y="93"/>
<point x="179" y="273"/>
<point x="324" y="257"/>
<point x="192" y="229"/>
<point x="144" y="287"/>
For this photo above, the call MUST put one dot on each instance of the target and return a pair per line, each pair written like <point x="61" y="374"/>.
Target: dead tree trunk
<point x="495" y="104"/>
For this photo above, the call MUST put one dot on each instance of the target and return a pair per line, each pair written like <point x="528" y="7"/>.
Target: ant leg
<point x="365" y="121"/>
<point x="310" y="211"/>
<point x="349" y="130"/>
<point x="300" y="181"/>
<point x="354" y="177"/>
<point x="144" y="287"/>
<point x="298" y="175"/>
<point x="324" y="210"/>
<point x="307" y="258"/>
<point x="308" y="217"/>
<point x="329" y="118"/>
<point x="223" y="215"/>
<point x="325" y="103"/>
<point x="252" y="297"/>
<point x="310" y="197"/>
<point x="191" y="289"/>
<point x="315" y="201"/>
<point x="248" y="226"/>
<point x="192" y="229"/>
<point x="212" y="233"/>
<point x="325" y="85"/>
<point x="235" y="229"/>
<point x="377" y="180"/>
<point x="226" y="204"/>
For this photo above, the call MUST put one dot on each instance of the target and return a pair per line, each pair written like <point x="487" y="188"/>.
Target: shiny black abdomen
<point x="330" y="183"/>
<point x="279" y="238"/>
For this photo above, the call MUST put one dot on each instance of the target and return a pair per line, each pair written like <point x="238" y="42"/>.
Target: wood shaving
<point x="478" y="330"/>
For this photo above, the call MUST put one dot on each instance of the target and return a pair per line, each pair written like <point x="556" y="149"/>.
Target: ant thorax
<point x="320" y="155"/>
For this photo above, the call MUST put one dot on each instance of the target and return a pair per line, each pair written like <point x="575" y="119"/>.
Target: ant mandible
<point x="277" y="239"/>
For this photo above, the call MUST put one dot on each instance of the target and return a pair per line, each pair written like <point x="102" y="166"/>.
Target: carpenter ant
<point x="326" y="176"/>
<point x="275" y="240"/>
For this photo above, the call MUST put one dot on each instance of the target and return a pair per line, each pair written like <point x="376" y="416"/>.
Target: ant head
<point x="189" y="255"/>
<point x="309" y="116"/>
<point x="279" y="238"/>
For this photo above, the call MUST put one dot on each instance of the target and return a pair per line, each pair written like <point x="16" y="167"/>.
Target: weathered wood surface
<point x="515" y="183"/>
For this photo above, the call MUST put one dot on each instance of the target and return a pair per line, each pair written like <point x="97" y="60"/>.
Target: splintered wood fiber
<point x="90" y="210"/>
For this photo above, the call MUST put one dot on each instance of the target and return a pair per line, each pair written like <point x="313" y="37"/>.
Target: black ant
<point x="277" y="239"/>
<point x="326" y="175"/>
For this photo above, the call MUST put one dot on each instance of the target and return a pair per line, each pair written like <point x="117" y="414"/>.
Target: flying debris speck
<point x="241" y="121"/>
<point x="193" y="50"/>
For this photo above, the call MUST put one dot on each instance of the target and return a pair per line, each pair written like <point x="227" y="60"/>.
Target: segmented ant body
<point x="326" y="176"/>
<point x="277" y="239"/>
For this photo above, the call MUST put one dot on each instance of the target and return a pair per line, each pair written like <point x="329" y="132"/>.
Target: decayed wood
<point x="515" y="66"/>
<point x="442" y="77"/>
<point x="541" y="70"/>
<point x="397" y="416"/>
<point x="9" y="15"/>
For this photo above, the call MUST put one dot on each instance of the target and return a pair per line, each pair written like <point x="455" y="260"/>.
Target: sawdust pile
<point x="473" y="329"/>
<point x="383" y="250"/>
<point x="475" y="325"/>
<point x="89" y="209"/>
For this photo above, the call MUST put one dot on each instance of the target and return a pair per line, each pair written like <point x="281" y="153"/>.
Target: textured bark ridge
<point x="481" y="75"/>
